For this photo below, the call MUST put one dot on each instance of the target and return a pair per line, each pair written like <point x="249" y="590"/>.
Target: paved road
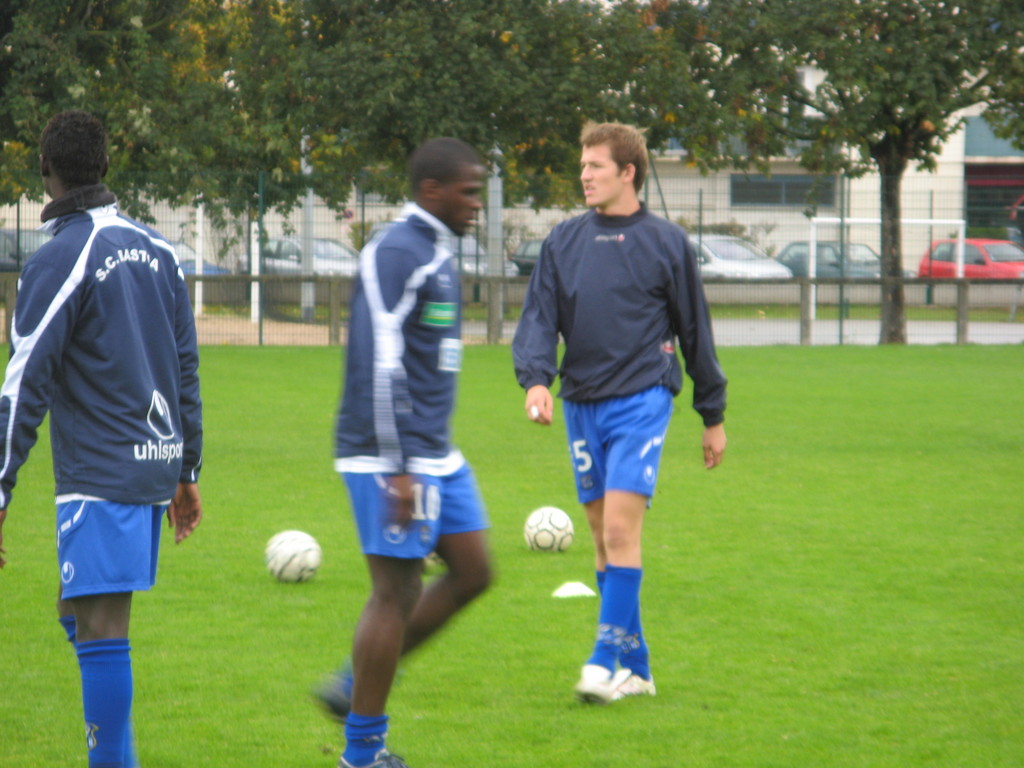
<point x="766" y="332"/>
<point x="752" y="333"/>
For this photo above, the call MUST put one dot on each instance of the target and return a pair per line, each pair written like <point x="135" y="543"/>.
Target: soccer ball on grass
<point x="292" y="556"/>
<point x="548" y="529"/>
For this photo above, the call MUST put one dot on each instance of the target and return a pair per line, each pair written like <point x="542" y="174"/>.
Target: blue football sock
<point x="633" y="654"/>
<point x="106" y="669"/>
<point x="364" y="738"/>
<point x="131" y="759"/>
<point x="620" y="598"/>
<point x="70" y="627"/>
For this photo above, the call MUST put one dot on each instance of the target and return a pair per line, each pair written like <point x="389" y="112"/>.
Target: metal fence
<point x="268" y="310"/>
<point x="236" y="306"/>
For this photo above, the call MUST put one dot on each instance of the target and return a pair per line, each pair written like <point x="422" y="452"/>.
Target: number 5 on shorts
<point x="581" y="456"/>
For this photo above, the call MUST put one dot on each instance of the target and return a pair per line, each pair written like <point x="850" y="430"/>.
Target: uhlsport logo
<point x="90" y="735"/>
<point x="394" y="534"/>
<point x="650" y="473"/>
<point x="159" y="417"/>
<point x="159" y="421"/>
<point x="67" y="572"/>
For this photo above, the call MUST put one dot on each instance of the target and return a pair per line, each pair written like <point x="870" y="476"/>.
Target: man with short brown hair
<point x="620" y="286"/>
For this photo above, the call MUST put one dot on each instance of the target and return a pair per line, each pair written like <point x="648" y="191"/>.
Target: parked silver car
<point x="283" y="256"/>
<point x="469" y="257"/>
<point x="730" y="256"/>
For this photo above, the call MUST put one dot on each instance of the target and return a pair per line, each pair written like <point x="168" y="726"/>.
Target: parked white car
<point x="470" y="256"/>
<point x="730" y="256"/>
<point x="283" y="256"/>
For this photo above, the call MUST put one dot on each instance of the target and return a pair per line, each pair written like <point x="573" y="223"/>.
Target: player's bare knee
<point x="480" y="579"/>
<point x="619" y="541"/>
<point x="470" y="582"/>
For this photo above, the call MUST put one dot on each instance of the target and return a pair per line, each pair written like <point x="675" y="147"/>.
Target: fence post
<point x="495" y="309"/>
<point x="961" y="311"/>
<point x="495" y="232"/>
<point x="334" y="304"/>
<point x="806" y="306"/>
<point x="10" y="298"/>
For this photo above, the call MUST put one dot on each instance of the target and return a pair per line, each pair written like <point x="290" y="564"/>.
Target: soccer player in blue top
<point x="104" y="339"/>
<point x="411" y="490"/>
<point x="620" y="286"/>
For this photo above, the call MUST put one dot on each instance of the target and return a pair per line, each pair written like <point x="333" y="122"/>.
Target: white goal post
<point x="812" y="258"/>
<point x="960" y="224"/>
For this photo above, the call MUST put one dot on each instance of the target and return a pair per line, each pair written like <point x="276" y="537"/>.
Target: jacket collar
<point x="78" y="199"/>
<point x="445" y="236"/>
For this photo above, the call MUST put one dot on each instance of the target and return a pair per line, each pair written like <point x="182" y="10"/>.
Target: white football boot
<point x="634" y="685"/>
<point x="597" y="685"/>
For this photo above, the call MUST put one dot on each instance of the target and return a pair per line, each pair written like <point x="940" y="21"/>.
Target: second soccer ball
<point x="292" y="556"/>
<point x="548" y="529"/>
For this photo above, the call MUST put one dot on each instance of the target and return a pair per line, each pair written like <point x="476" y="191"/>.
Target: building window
<point x="782" y="190"/>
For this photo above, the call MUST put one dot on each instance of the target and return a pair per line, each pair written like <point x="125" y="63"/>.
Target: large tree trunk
<point x="894" y="321"/>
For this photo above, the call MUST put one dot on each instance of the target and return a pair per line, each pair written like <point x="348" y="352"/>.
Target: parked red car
<point x="983" y="258"/>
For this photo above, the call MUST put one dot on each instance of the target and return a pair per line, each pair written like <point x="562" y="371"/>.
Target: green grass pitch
<point x="846" y="590"/>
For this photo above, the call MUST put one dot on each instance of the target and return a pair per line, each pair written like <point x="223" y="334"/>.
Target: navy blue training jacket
<point x="620" y="290"/>
<point x="404" y="351"/>
<point x="104" y="338"/>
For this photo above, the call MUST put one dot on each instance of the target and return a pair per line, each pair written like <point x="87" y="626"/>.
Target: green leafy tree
<point x="692" y="89"/>
<point x="516" y="76"/>
<point x="263" y="59"/>
<point x="139" y="66"/>
<point x="1006" y="82"/>
<point x="202" y="97"/>
<point x="897" y="74"/>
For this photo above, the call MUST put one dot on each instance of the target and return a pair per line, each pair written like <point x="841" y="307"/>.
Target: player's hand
<point x="539" y="404"/>
<point x="400" y="499"/>
<point x="185" y="511"/>
<point x="714" y="445"/>
<point x="3" y="516"/>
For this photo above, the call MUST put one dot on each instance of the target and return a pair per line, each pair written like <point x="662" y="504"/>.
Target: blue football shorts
<point x="444" y="505"/>
<point x="104" y="547"/>
<point x="615" y="444"/>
